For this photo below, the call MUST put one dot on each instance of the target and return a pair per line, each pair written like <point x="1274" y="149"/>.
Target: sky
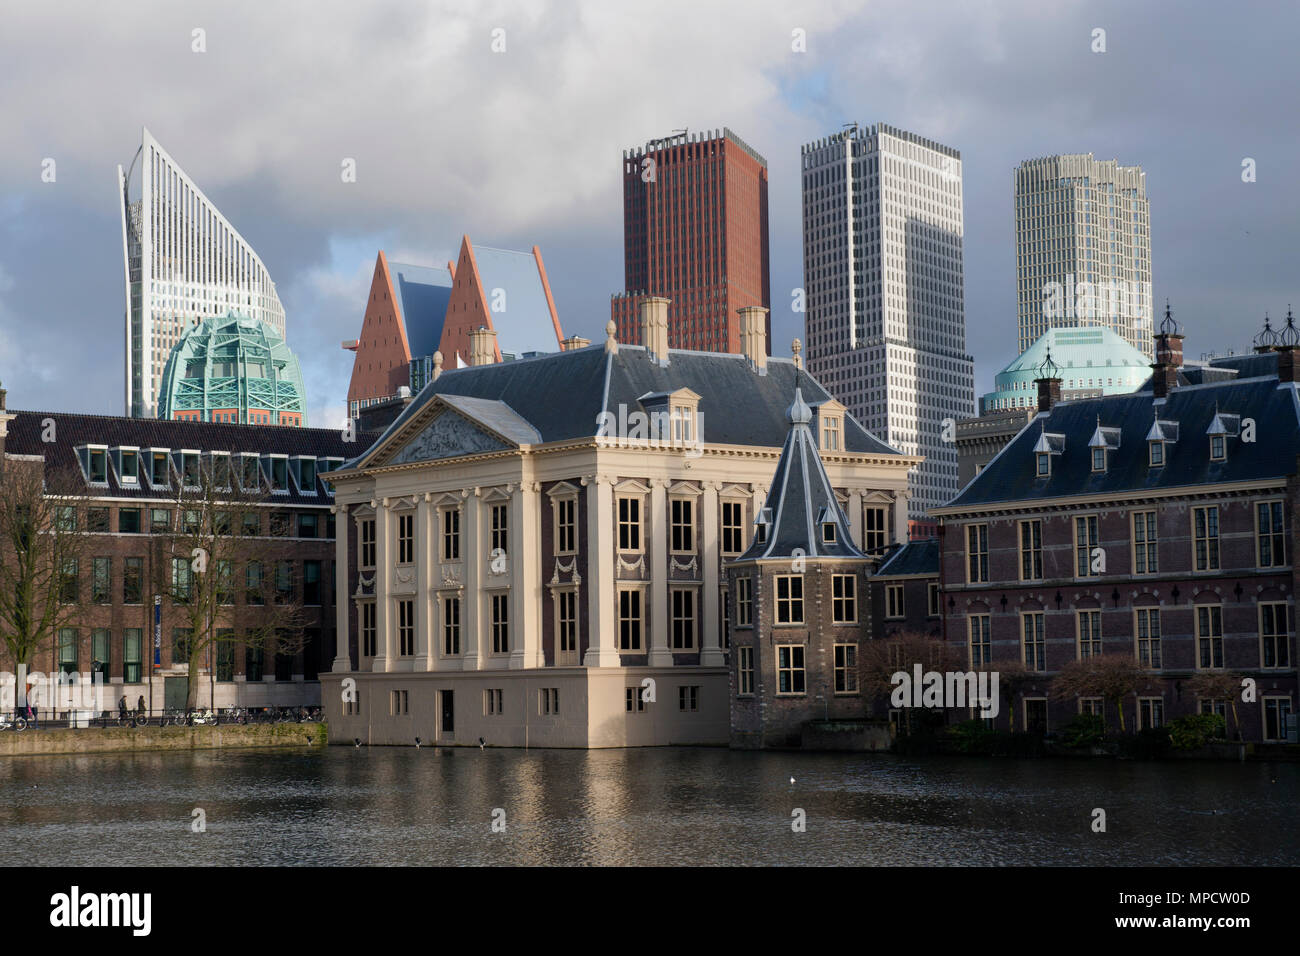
<point x="522" y="146"/>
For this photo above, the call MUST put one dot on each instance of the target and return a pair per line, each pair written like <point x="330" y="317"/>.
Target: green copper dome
<point x="1090" y="361"/>
<point x="233" y="368"/>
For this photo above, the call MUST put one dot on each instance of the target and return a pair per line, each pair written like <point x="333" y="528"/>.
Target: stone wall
<point x="115" y="739"/>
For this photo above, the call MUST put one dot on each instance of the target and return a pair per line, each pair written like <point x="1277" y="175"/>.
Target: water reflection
<point x="637" y="807"/>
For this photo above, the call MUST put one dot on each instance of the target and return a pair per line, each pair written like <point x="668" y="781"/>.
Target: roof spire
<point x="1167" y="325"/>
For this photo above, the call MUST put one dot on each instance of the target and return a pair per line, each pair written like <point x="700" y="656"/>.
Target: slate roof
<point x="73" y="430"/>
<point x="914" y="557"/>
<point x="1275" y="408"/>
<point x="562" y="395"/>
<point x="526" y="324"/>
<point x="422" y="296"/>
<point x="801" y="500"/>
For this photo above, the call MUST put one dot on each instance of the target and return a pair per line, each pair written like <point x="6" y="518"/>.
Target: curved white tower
<point x="183" y="262"/>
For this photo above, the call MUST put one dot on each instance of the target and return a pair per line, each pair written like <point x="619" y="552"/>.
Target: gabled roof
<point x="914" y="557"/>
<point x="421" y="295"/>
<point x="527" y="323"/>
<point x="801" y="500"/>
<point x="1011" y="475"/>
<point x="564" y="395"/>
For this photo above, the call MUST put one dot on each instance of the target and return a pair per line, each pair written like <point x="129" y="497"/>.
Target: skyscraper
<point x="885" y="314"/>
<point x="695" y="232"/>
<point x="183" y="262"/>
<point x="1083" y="248"/>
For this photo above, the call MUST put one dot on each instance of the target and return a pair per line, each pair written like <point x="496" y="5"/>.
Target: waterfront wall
<point x="118" y="739"/>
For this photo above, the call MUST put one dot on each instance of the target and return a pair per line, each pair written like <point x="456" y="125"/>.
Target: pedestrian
<point x="121" y="707"/>
<point x="139" y="706"/>
<point x="31" y="711"/>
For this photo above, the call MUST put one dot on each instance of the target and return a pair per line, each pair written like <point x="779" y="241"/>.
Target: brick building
<point x="695" y="231"/>
<point x="131" y="469"/>
<point x="1157" y="524"/>
<point x="905" y="590"/>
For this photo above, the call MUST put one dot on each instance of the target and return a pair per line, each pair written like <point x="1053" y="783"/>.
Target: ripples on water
<point x="660" y="806"/>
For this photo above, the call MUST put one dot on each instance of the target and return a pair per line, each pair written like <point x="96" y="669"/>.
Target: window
<point x="1147" y="629"/>
<point x="225" y="585"/>
<point x="1033" y="641"/>
<point x="789" y="599"/>
<point x="278" y="466"/>
<point x="405" y="538"/>
<point x="683" y="618"/>
<point x="250" y="473"/>
<point x="682" y="525"/>
<point x="182" y="640"/>
<point x="633" y="702"/>
<point x="101" y="579"/>
<point x="65" y="518"/>
<point x="548" y="700"/>
<point x="629" y="524"/>
<point x="1044" y="463"/>
<point x="688" y="698"/>
<point x="221" y="479"/>
<point x="1205" y="535"/>
<point x="1218" y="448"/>
<point x="875" y="531"/>
<point x="1085" y="544"/>
<point x="1031" y="550"/>
<point x="846" y="668"/>
<point x="97" y="519"/>
<point x="1151" y="713"/>
<point x="566" y="525"/>
<point x="252" y="524"/>
<point x="279" y="524"/>
<point x="789" y="669"/>
<point x="894" y="601"/>
<point x="128" y="520"/>
<point x="1209" y="636"/>
<point x="977" y="553"/>
<point x="367" y="614"/>
<point x="405" y="628"/>
<point x="1099" y="459"/>
<point x="733" y="527"/>
<point x="254" y="663"/>
<point x="133" y="581"/>
<point x="130" y="468"/>
<point x="1156" y="457"/>
<point x="1220" y="707"/>
<point x="181" y="589"/>
<point x="366" y="543"/>
<point x="159" y="469"/>
<point x="494" y="701"/>
<point x="500" y="535"/>
<point x="399" y="703"/>
<point x="1091" y="706"/>
<point x="253" y="583"/>
<point x="932" y="599"/>
<point x="566" y="624"/>
<point x="1271" y="534"/>
<point x="283" y="582"/>
<point x="981" y="644"/>
<point x="450" y="534"/>
<point x="1276" y="712"/>
<point x="225" y="655"/>
<point x="1274" y="647"/>
<point x="308" y="525"/>
<point x="745" y="671"/>
<point x="501" y="624"/>
<point x="831" y="433"/>
<point x="629" y="619"/>
<point x="1145" y="560"/>
<point x="844" y="598"/>
<point x="744" y="601"/>
<point x="1089" y="633"/>
<point x="451" y="626"/>
<point x="131" y="654"/>
<point x="98" y="473"/>
<point x="307" y="475"/>
<point x="69" y="639"/>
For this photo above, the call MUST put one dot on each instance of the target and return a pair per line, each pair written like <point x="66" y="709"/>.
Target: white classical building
<point x="535" y="550"/>
<point x="885" y="313"/>
<point x="182" y="262"/>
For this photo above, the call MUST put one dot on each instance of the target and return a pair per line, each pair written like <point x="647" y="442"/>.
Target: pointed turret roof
<point x="801" y="502"/>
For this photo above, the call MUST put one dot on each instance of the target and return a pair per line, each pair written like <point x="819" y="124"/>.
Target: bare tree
<point x="43" y="548"/>
<point x="1219" y="685"/>
<point x="1012" y="678"/>
<point x="882" y="659"/>
<point x="233" y="586"/>
<point x="1111" y="677"/>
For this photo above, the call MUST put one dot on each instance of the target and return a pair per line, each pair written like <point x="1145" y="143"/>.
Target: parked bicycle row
<point x="27" y="717"/>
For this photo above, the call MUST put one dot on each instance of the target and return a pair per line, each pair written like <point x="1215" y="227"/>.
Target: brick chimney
<point x="1049" y="393"/>
<point x="1169" y="356"/>
<point x="1287" y="342"/>
<point x="482" y="346"/>
<point x="753" y="335"/>
<point x="654" y="326"/>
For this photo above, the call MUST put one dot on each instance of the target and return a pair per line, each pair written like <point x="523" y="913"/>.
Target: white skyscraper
<point x="183" y="262"/>
<point x="885" y="320"/>
<point x="1083" y="248"/>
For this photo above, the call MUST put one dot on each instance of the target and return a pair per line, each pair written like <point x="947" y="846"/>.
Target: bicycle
<point x="15" y="723"/>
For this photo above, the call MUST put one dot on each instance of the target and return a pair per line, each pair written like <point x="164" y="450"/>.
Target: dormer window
<point x="191" y="475"/>
<point x="221" y="470"/>
<point x="831" y="434"/>
<point x="277" y="469"/>
<point x="830" y="425"/>
<point x="762" y="524"/>
<point x="97" y="466"/>
<point x="1098" y="459"/>
<point x="1044" y="464"/>
<point x="1223" y="426"/>
<point x="1218" y="448"/>
<point x="159" y="468"/>
<point x="683" y="423"/>
<point x="249" y="476"/>
<point x="1103" y="440"/>
<point x="1156" y="456"/>
<point x="129" y="466"/>
<point x="826" y="519"/>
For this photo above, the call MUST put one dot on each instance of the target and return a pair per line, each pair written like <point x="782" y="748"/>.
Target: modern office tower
<point x="1083" y="248"/>
<point x="233" y="369"/>
<point x="885" y="314"/>
<point x="694" y="232"/>
<point x="183" y="262"/>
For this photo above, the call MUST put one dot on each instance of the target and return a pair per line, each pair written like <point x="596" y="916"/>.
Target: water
<point x="659" y="806"/>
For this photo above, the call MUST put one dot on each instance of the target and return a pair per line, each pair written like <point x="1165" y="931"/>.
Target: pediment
<point x="449" y="435"/>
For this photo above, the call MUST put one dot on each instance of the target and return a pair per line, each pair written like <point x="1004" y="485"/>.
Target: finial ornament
<point x="799" y="413"/>
<point x="1049" y="369"/>
<point x="1290" y="336"/>
<point x="611" y="343"/>
<point x="437" y="364"/>
<point x="1267" y="338"/>
<point x="1167" y="325"/>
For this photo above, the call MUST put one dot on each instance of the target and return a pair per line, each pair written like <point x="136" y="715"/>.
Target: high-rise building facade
<point x="1083" y="248"/>
<point x="694" y="232"/>
<point x="183" y="262"/>
<point x="885" y="313"/>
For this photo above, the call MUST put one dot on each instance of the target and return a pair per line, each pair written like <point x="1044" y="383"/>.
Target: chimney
<point x="753" y="335"/>
<point x="482" y="346"/>
<point x="574" y="342"/>
<point x="1287" y="342"/>
<point x="1049" y="393"/>
<point x="654" y="327"/>
<point x="1169" y="357"/>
